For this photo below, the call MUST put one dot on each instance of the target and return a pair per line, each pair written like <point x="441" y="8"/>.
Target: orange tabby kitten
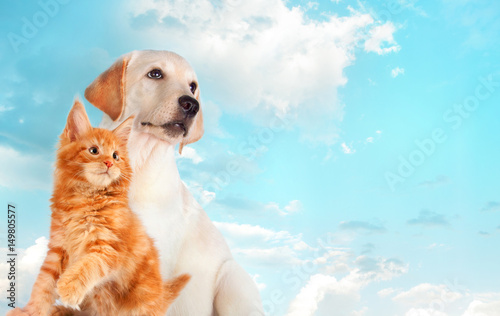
<point x="100" y="259"/>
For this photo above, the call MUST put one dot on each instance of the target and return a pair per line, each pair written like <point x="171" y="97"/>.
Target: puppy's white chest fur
<point x="181" y="230"/>
<point x="186" y="239"/>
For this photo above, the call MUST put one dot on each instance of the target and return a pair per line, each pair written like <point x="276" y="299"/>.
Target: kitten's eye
<point x="155" y="74"/>
<point x="93" y="150"/>
<point x="192" y="87"/>
<point x="115" y="156"/>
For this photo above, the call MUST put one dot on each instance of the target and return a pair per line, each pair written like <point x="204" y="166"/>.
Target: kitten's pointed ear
<point x="78" y="122"/>
<point x="124" y="129"/>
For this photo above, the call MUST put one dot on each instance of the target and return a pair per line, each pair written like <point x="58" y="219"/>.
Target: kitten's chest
<point x="82" y="231"/>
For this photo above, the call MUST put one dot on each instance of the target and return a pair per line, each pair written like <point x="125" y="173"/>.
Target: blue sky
<point x="365" y="135"/>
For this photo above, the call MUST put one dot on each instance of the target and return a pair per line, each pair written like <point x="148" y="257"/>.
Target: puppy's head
<point x="159" y="88"/>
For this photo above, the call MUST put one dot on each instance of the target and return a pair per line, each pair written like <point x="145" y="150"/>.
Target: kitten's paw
<point x="18" y="312"/>
<point x="71" y="292"/>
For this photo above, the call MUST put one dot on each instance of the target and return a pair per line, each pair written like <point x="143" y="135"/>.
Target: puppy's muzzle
<point x="189" y="105"/>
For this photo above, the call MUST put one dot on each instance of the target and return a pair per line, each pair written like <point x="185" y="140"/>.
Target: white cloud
<point x="293" y="206"/>
<point x="34" y="256"/>
<point x="275" y="256"/>
<point x="239" y="232"/>
<point x="441" y="300"/>
<point x="411" y="5"/>
<point x="4" y="108"/>
<point x="301" y="245"/>
<point x="319" y="285"/>
<point x="22" y="171"/>
<point x="28" y="266"/>
<point x="306" y="302"/>
<point x="424" y="294"/>
<point x="312" y="5"/>
<point x="435" y="246"/>
<point x="361" y="312"/>
<point x="203" y="196"/>
<point x="206" y="197"/>
<point x="373" y="139"/>
<point x="191" y="154"/>
<point x="346" y="149"/>
<point x="381" y="39"/>
<point x="256" y="245"/>
<point x="482" y="307"/>
<point x="386" y="292"/>
<point x="397" y="71"/>
<point x="424" y="312"/>
<point x="265" y="58"/>
<point x="260" y="286"/>
<point x="236" y="230"/>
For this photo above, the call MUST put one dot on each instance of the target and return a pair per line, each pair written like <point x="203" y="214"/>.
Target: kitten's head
<point x="92" y="155"/>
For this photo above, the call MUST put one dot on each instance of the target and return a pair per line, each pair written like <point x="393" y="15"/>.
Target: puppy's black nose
<point x="189" y="105"/>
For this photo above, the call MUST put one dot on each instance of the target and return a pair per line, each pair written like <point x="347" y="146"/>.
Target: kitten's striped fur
<point x="100" y="259"/>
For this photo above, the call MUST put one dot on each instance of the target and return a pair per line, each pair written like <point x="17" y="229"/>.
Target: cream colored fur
<point x="186" y="238"/>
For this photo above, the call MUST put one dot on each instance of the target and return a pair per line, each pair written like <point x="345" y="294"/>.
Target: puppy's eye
<point x="155" y="74"/>
<point x="115" y="156"/>
<point x="93" y="150"/>
<point x="192" y="87"/>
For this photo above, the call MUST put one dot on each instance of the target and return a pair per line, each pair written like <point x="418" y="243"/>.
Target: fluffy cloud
<point x="4" y="108"/>
<point x="260" y="286"/>
<point x="320" y="285"/>
<point x="424" y="312"/>
<point x="487" y="305"/>
<point x="425" y="294"/>
<point x="28" y="265"/>
<point x="245" y="231"/>
<point x="381" y="39"/>
<point x="306" y="302"/>
<point x="441" y="300"/>
<point x="386" y="292"/>
<point x="23" y="171"/>
<point x="191" y="154"/>
<point x="264" y="58"/>
<point x="373" y="139"/>
<point x="397" y="71"/>
<point x="293" y="207"/>
<point x="347" y="149"/>
<point x="258" y="246"/>
<point x="274" y="256"/>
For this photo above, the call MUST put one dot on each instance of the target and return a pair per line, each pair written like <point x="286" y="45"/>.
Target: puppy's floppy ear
<point x="107" y="92"/>
<point x="78" y="122"/>
<point x="195" y="132"/>
<point x="123" y="130"/>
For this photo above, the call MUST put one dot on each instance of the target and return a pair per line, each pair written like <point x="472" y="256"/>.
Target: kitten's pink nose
<point x="108" y="164"/>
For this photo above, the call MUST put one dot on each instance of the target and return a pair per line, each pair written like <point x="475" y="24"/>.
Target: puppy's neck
<point x="155" y="174"/>
<point x="155" y="178"/>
